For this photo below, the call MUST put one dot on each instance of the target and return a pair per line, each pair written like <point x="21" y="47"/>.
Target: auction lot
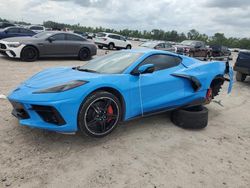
<point x="148" y="152"/>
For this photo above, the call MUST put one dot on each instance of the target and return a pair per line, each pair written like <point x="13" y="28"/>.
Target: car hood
<point x="20" y="39"/>
<point x="57" y="76"/>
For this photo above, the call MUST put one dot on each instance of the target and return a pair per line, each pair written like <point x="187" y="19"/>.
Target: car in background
<point x="37" y="28"/>
<point x="193" y="48"/>
<point x="5" y="24"/>
<point x="111" y="41"/>
<point x="219" y="51"/>
<point x="15" y="32"/>
<point x="48" y="44"/>
<point x="242" y="66"/>
<point x="166" y="46"/>
<point x="120" y="86"/>
<point x="83" y="34"/>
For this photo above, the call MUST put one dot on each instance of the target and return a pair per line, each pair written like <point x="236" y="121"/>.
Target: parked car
<point x="166" y="46"/>
<point x="111" y="41"/>
<point x="15" y="32"/>
<point x="83" y="34"/>
<point x="37" y="28"/>
<point x="242" y="66"/>
<point x="193" y="48"/>
<point x="48" y="44"/>
<point x="5" y="24"/>
<point x="219" y="50"/>
<point x="120" y="86"/>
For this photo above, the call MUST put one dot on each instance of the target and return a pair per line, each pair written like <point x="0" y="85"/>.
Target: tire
<point x="99" y="114"/>
<point x="240" y="77"/>
<point x="84" y="54"/>
<point x="191" y="118"/>
<point x="29" y="54"/>
<point x="128" y="47"/>
<point x="111" y="46"/>
<point x="100" y="47"/>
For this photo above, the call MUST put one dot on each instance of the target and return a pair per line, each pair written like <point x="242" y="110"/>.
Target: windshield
<point x="113" y="63"/>
<point x="149" y="44"/>
<point x="43" y="34"/>
<point x="188" y="42"/>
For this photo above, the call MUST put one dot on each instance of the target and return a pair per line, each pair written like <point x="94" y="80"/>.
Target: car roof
<point x="150" y="51"/>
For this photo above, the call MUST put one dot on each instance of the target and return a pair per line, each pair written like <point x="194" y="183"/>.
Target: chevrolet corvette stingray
<point x="120" y="86"/>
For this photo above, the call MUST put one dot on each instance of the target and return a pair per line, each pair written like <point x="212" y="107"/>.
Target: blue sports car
<point x="119" y="86"/>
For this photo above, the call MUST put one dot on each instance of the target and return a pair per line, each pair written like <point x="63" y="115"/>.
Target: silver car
<point x="48" y="44"/>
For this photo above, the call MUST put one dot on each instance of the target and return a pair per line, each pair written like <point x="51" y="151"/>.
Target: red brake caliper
<point x="209" y="95"/>
<point x="110" y="111"/>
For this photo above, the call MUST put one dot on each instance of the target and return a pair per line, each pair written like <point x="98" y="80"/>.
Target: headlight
<point x="14" y="44"/>
<point x="63" y="87"/>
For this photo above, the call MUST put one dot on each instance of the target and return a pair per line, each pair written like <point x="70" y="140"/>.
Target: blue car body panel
<point x="141" y="94"/>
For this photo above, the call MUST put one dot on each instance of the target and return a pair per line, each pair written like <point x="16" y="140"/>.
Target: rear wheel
<point x="240" y="77"/>
<point x="111" y="46"/>
<point x="100" y="114"/>
<point x="84" y="54"/>
<point x="29" y="54"/>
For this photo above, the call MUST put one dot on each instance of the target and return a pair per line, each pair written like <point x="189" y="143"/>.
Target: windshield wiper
<point x="84" y="70"/>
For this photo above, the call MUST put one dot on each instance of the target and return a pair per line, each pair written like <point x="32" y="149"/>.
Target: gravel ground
<point x="148" y="152"/>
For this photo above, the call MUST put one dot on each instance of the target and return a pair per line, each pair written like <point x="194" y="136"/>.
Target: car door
<point x="73" y="44"/>
<point x="53" y="45"/>
<point x="12" y="32"/>
<point x="160" y="90"/>
<point x="122" y="41"/>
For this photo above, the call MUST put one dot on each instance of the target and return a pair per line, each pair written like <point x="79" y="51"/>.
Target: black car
<point x="242" y="66"/>
<point x="219" y="51"/>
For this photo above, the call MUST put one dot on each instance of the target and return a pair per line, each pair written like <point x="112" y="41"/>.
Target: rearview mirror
<point x="144" y="69"/>
<point x="51" y="39"/>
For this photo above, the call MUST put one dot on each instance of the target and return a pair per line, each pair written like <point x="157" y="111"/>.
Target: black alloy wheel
<point x="100" y="114"/>
<point x="29" y="54"/>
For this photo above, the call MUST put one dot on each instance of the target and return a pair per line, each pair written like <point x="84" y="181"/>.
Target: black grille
<point x="19" y="111"/>
<point x="49" y="114"/>
<point x="2" y="46"/>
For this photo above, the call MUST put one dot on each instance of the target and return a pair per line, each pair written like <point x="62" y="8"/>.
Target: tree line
<point x="155" y="34"/>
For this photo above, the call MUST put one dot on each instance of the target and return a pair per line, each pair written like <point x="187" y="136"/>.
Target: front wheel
<point x="29" y="54"/>
<point x="128" y="47"/>
<point x="100" y="114"/>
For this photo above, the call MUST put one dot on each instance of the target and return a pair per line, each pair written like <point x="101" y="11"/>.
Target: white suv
<point x="112" y="41"/>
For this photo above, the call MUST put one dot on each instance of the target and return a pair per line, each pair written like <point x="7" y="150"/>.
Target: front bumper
<point x="54" y="112"/>
<point x="11" y="52"/>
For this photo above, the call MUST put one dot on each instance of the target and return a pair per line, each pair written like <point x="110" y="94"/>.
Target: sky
<point x="231" y="17"/>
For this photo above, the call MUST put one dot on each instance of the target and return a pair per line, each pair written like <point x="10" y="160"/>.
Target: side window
<point x="59" y="37"/>
<point x="162" y="61"/>
<point x="13" y="30"/>
<point x="161" y="45"/>
<point x="26" y="31"/>
<point x="73" y="38"/>
<point x="168" y="45"/>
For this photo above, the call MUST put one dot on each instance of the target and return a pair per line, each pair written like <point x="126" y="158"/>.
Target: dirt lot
<point x="149" y="152"/>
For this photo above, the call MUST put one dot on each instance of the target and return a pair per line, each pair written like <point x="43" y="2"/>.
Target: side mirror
<point x="144" y="69"/>
<point x="6" y="31"/>
<point x="51" y="39"/>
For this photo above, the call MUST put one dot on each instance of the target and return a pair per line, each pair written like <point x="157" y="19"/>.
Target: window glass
<point x="13" y="30"/>
<point x="74" y="37"/>
<point x="36" y="28"/>
<point x="59" y="36"/>
<point x="22" y="30"/>
<point x="162" y="61"/>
